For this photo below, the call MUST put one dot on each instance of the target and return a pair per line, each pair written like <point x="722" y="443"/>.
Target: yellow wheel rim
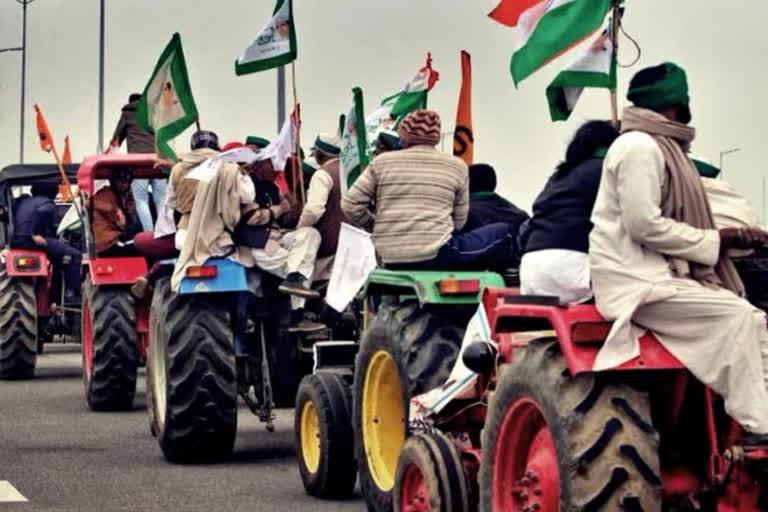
<point x="310" y="436"/>
<point x="383" y="419"/>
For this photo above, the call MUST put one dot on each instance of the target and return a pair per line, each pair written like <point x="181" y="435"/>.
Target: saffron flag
<point x="394" y="108"/>
<point x="354" y="145"/>
<point x="548" y="28"/>
<point x="167" y="107"/>
<point x="275" y="45"/>
<point x="463" y="135"/>
<point x="595" y="67"/>
<point x="66" y="156"/>
<point x="46" y="141"/>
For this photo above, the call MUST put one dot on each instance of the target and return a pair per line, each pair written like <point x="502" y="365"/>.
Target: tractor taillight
<point x="204" y="272"/>
<point x="104" y="270"/>
<point x="590" y="332"/>
<point x="26" y="262"/>
<point x="458" y="286"/>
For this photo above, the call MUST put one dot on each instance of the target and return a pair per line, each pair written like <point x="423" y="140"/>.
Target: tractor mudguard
<point x="115" y="270"/>
<point x="26" y="263"/>
<point x="228" y="276"/>
<point x="432" y="287"/>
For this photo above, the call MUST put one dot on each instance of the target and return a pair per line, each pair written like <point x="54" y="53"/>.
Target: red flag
<point x="463" y="135"/>
<point x="66" y="157"/>
<point x="508" y="12"/>
<point x="46" y="141"/>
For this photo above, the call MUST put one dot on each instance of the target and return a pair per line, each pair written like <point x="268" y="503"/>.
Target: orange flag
<point x="463" y="136"/>
<point x="46" y="141"/>
<point x="66" y="157"/>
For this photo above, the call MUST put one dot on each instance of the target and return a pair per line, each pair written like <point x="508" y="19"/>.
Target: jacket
<point x="33" y="216"/>
<point x="139" y="141"/>
<point x="489" y="208"/>
<point x="562" y="211"/>
<point x="181" y="192"/>
<point x="109" y="220"/>
<point x="323" y="208"/>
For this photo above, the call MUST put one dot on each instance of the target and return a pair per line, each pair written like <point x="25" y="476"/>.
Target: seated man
<point x="34" y="227"/>
<point x="659" y="263"/>
<point x="386" y="141"/>
<point x="485" y="205"/>
<point x="422" y="201"/>
<point x="115" y="222"/>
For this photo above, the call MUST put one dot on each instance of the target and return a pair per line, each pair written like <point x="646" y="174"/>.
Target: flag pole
<point x="615" y="23"/>
<point x="298" y="133"/>
<point x="65" y="179"/>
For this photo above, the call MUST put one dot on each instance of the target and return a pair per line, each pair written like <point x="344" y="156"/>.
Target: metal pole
<point x="722" y="154"/>
<point x="280" y="97"/>
<point x="23" y="78"/>
<point x="101" y="79"/>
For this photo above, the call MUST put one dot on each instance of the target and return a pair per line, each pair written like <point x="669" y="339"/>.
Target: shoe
<point x="306" y="326"/>
<point x="755" y="441"/>
<point x="140" y="287"/>
<point x="294" y="285"/>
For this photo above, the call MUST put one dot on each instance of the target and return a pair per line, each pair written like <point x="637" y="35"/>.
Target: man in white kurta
<point x="719" y="336"/>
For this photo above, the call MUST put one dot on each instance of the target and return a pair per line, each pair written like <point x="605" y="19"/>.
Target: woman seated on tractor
<point x="115" y="222"/>
<point x="555" y="241"/>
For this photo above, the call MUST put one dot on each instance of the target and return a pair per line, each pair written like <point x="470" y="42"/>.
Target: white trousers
<point x="723" y="341"/>
<point x="295" y="251"/>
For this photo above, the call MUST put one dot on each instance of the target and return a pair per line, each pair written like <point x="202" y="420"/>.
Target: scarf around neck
<point x="684" y="198"/>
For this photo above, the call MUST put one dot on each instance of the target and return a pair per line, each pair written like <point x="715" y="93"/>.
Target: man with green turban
<point x="659" y="263"/>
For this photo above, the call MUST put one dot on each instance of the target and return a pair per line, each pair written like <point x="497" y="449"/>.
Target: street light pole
<point x="101" y="79"/>
<point x="24" y="4"/>
<point x="722" y="154"/>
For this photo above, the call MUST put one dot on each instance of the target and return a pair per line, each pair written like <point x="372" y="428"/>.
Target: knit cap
<point x="420" y="127"/>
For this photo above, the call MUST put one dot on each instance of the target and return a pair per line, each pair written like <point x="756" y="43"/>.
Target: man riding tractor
<point x="40" y="272"/>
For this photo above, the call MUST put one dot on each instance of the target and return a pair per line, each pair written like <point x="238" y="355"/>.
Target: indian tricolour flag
<point x="394" y="108"/>
<point x="354" y="146"/>
<point x="595" y="67"/>
<point x="167" y="107"/>
<point x="275" y="45"/>
<point x="548" y="28"/>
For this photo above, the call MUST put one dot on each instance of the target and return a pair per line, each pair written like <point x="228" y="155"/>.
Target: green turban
<point x="668" y="91"/>
<point x="705" y="169"/>
<point x="259" y="142"/>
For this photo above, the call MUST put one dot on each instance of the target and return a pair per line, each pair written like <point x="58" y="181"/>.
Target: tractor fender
<point x="115" y="270"/>
<point x="26" y="263"/>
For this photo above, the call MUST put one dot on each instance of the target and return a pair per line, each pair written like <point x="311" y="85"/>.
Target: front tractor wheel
<point x="192" y="379"/>
<point x="555" y="443"/>
<point x="18" y="327"/>
<point x="109" y="347"/>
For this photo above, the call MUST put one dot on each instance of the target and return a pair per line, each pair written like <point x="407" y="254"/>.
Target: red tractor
<point x="544" y="433"/>
<point x="115" y="327"/>
<point x="32" y="306"/>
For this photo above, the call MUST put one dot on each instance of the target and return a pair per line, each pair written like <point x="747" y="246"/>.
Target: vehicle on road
<point x="32" y="306"/>
<point x="115" y="327"/>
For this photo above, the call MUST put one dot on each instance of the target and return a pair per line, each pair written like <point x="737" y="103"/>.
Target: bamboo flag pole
<point x="615" y="24"/>
<point x="298" y="133"/>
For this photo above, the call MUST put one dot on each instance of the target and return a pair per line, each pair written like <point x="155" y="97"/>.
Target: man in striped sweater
<point x="421" y="199"/>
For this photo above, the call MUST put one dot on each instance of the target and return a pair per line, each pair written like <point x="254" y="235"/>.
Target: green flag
<point x="354" y="155"/>
<point x="167" y="107"/>
<point x="274" y="46"/>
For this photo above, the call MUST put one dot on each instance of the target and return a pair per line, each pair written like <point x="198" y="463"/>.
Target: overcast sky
<point x="378" y="46"/>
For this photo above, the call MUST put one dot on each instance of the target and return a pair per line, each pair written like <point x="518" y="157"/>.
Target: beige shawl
<point x="684" y="198"/>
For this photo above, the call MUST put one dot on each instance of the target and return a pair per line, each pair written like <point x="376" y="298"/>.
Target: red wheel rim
<point x="87" y="340"/>
<point x="413" y="491"/>
<point x="525" y="473"/>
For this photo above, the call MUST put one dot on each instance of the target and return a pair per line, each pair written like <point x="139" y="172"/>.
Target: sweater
<point x="139" y="141"/>
<point x="561" y="212"/>
<point x="421" y="198"/>
<point x="489" y="208"/>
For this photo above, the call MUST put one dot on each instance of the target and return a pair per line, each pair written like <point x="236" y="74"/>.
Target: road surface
<point x="61" y="457"/>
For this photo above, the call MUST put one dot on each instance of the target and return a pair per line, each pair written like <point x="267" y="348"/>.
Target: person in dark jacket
<point x="139" y="141"/>
<point x="555" y="242"/>
<point x="34" y="227"/>
<point x="488" y="207"/>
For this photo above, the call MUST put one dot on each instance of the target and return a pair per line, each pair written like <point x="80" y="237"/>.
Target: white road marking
<point x="9" y="494"/>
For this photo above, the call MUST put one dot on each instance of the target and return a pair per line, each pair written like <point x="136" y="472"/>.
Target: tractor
<point x="115" y="327"/>
<point x="32" y="306"/>
<point x="352" y="412"/>
<point x="226" y="332"/>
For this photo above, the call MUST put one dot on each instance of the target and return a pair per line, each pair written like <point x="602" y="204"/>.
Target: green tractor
<point x="352" y="413"/>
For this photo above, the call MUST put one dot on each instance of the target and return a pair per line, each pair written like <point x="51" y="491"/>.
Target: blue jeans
<point x="140" y="189"/>
<point x="490" y="247"/>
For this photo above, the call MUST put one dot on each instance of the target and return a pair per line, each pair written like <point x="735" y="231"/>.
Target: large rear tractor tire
<point x="110" y="348"/>
<point x="406" y="351"/>
<point x="430" y="476"/>
<point x="192" y="377"/>
<point x="324" y="442"/>
<point x="556" y="442"/>
<point x="157" y="313"/>
<point x="18" y="327"/>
